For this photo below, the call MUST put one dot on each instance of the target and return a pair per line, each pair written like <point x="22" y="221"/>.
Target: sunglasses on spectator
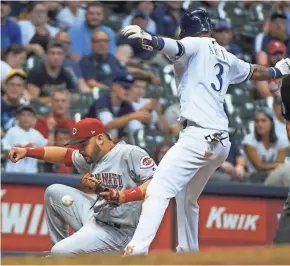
<point x="100" y="40"/>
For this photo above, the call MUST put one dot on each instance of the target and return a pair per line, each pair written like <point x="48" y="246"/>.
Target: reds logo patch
<point x="146" y="162"/>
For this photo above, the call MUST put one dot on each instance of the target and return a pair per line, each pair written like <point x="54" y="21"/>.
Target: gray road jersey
<point x="125" y="166"/>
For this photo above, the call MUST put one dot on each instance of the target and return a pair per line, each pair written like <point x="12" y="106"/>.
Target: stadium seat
<point x="81" y="104"/>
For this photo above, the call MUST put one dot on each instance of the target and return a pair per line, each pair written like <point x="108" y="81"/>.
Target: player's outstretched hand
<point x="135" y="32"/>
<point x="284" y="66"/>
<point x="16" y="154"/>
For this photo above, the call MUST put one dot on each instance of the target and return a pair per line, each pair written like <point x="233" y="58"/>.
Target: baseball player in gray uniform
<point x="118" y="174"/>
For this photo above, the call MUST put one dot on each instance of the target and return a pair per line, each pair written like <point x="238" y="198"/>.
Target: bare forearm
<point x="288" y="129"/>
<point x="163" y="124"/>
<point x="260" y="73"/>
<point x="50" y="139"/>
<point x="142" y="192"/>
<point x="120" y="121"/>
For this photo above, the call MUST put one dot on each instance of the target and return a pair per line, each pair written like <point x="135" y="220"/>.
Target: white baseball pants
<point x="182" y="173"/>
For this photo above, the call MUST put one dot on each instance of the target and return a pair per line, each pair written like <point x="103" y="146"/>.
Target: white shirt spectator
<point x="17" y="136"/>
<point x="151" y="26"/>
<point x="66" y="18"/>
<point x="135" y="124"/>
<point x="5" y="68"/>
<point x="28" y="31"/>
<point x="266" y="156"/>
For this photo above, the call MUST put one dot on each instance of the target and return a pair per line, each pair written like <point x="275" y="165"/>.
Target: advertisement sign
<point x="23" y="225"/>
<point x="224" y="221"/>
<point x="238" y="221"/>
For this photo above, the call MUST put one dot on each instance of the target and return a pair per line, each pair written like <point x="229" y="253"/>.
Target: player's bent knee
<point x="59" y="249"/>
<point x="51" y="191"/>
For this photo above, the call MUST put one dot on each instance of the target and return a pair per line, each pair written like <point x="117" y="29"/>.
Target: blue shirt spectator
<point x="99" y="67"/>
<point x="10" y="31"/>
<point x="165" y="17"/>
<point x="80" y="34"/>
<point x="114" y="103"/>
<point x="277" y="32"/>
<point x="224" y="37"/>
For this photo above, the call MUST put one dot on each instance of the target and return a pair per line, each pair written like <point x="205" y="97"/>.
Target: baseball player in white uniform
<point x="203" y="72"/>
<point x="118" y="174"/>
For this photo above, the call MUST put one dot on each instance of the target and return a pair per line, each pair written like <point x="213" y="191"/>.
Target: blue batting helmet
<point x="195" y="21"/>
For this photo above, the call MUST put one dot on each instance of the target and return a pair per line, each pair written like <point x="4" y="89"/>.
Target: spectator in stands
<point x="147" y="8"/>
<point x="81" y="33"/>
<point x="99" y="67"/>
<point x="14" y="87"/>
<point x="286" y="10"/>
<point x="113" y="108"/>
<point x="60" y="103"/>
<point x="276" y="51"/>
<point x="70" y="14"/>
<point x="233" y="169"/>
<point x="62" y="137"/>
<point x="136" y="97"/>
<point x="167" y="18"/>
<point x="140" y="18"/>
<point x="23" y="135"/>
<point x="279" y="121"/>
<point x="10" y="31"/>
<point x="277" y="31"/>
<point x="71" y="66"/>
<point x="13" y="57"/>
<point x="161" y="150"/>
<point x="264" y="151"/>
<point x="35" y="30"/>
<point x="172" y="113"/>
<point x="50" y="75"/>
<point x="224" y="37"/>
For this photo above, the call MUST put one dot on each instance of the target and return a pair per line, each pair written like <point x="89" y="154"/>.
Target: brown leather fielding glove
<point x="90" y="182"/>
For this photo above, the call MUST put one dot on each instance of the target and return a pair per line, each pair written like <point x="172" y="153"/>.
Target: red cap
<point x="85" y="129"/>
<point x="276" y="46"/>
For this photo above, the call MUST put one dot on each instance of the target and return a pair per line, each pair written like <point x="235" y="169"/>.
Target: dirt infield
<point x="257" y="256"/>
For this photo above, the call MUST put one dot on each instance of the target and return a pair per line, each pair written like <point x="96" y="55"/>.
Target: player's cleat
<point x="129" y="250"/>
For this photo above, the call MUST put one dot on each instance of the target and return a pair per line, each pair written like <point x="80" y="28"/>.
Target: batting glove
<point x="135" y="32"/>
<point x="284" y="66"/>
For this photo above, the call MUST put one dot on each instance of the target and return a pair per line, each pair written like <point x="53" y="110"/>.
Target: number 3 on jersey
<point x="219" y="76"/>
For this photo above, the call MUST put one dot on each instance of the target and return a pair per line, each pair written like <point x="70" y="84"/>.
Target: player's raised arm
<point x="49" y="154"/>
<point x="281" y="69"/>
<point x="173" y="48"/>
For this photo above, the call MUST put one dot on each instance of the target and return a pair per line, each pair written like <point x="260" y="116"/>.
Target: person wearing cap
<point x="23" y="135"/>
<point x="224" y="37"/>
<point x="277" y="50"/>
<point x="124" y="45"/>
<point x="50" y="75"/>
<point x="10" y="30"/>
<point x="277" y="32"/>
<point x="264" y="151"/>
<point x="13" y="57"/>
<point x="113" y="108"/>
<point x="147" y="7"/>
<point x="100" y="227"/>
<point x="99" y="67"/>
<point x="13" y="91"/>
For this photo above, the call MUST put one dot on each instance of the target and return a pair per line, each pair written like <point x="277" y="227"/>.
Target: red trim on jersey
<point x="35" y="152"/>
<point x="133" y="194"/>
<point x="68" y="157"/>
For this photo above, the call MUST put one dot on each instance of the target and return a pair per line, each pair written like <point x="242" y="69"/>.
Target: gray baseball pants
<point x="91" y="235"/>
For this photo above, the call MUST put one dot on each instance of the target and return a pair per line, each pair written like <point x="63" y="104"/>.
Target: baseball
<point x="67" y="200"/>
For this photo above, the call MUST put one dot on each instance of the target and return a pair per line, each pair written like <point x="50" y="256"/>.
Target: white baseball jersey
<point x="125" y="166"/>
<point x="203" y="72"/>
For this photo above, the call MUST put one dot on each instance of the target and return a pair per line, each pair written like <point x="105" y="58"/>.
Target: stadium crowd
<point x="62" y="61"/>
